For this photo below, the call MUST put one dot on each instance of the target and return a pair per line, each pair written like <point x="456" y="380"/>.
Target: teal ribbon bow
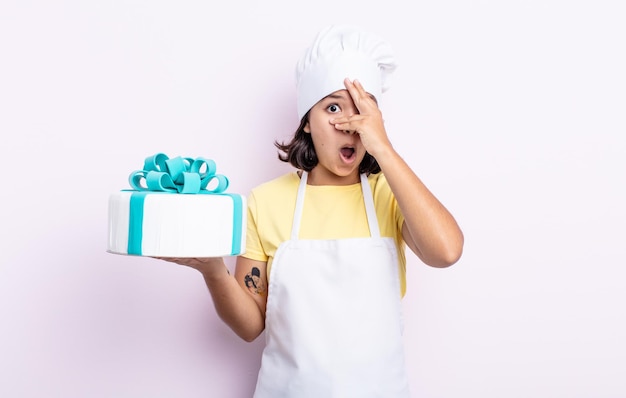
<point x="178" y="175"/>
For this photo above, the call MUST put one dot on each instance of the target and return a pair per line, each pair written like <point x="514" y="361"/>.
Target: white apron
<point x="333" y="321"/>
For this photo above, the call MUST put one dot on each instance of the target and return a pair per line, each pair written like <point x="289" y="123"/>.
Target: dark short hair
<point x="300" y="152"/>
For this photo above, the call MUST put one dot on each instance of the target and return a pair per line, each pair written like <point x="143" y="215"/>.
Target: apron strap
<point x="368" y="198"/>
<point x="372" y="220"/>
<point x="297" y="214"/>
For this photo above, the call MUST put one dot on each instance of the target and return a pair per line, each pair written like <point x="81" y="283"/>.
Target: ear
<point x="307" y="128"/>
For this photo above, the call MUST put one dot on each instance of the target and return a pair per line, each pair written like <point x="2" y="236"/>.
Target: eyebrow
<point x="337" y="96"/>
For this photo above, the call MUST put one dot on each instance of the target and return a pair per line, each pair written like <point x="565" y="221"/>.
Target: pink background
<point x="512" y="113"/>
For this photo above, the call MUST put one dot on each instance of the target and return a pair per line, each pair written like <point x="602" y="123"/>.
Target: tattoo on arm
<point x="254" y="282"/>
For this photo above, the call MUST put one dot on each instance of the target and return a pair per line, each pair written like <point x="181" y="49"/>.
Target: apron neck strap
<point x="297" y="214"/>
<point x="368" y="198"/>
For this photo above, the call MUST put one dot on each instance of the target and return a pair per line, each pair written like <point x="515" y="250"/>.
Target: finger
<point x="359" y="88"/>
<point x="348" y="124"/>
<point x="346" y="119"/>
<point x="353" y="90"/>
<point x="361" y="98"/>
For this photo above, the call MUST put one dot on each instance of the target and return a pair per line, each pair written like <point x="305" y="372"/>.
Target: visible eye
<point x="333" y="108"/>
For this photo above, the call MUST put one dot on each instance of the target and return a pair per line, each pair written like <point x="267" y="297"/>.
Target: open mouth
<point x="347" y="153"/>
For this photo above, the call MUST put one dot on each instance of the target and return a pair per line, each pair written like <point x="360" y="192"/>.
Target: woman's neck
<point x="318" y="176"/>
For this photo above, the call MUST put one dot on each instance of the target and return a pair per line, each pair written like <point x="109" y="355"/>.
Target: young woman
<point x="324" y="269"/>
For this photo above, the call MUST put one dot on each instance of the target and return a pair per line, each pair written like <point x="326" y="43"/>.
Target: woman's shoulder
<point x="380" y="187"/>
<point x="278" y="187"/>
<point x="377" y="180"/>
<point x="375" y="177"/>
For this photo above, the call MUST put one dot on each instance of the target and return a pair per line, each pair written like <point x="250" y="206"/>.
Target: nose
<point x="349" y="113"/>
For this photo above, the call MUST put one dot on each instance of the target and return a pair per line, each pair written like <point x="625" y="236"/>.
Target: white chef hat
<point x="341" y="51"/>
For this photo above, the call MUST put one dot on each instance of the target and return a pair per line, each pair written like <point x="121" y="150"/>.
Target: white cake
<point x="146" y="222"/>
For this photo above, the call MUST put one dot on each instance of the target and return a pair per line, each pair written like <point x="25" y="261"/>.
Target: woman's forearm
<point x="234" y="305"/>
<point x="433" y="233"/>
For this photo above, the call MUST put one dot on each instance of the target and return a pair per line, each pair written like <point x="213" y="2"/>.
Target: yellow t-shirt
<point x="330" y="212"/>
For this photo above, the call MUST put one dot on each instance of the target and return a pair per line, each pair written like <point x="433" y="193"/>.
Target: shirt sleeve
<point x="254" y="248"/>
<point x="383" y="193"/>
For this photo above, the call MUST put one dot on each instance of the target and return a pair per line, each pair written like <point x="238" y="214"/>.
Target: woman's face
<point x="339" y="153"/>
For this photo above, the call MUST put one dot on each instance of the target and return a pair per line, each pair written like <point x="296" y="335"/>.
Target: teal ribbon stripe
<point x="178" y="175"/>
<point x="135" y="222"/>
<point x="237" y="214"/>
